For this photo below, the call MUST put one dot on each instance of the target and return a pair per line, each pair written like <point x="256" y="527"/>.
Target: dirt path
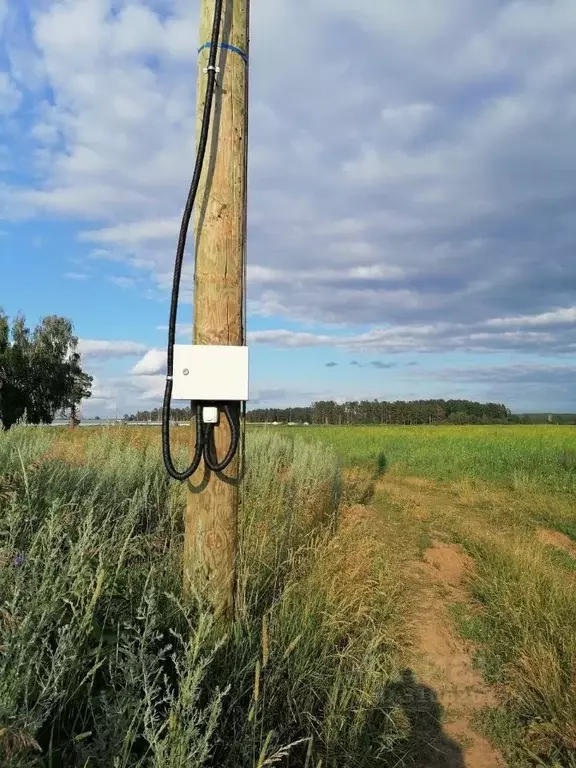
<point x="442" y="661"/>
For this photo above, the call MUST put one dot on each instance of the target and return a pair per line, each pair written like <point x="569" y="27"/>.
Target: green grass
<point x="561" y="558"/>
<point x="516" y="456"/>
<point x="529" y="642"/>
<point x="568" y="528"/>
<point x="102" y="662"/>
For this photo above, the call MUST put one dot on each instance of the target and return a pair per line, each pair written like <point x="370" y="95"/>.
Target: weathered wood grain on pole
<point x="220" y="232"/>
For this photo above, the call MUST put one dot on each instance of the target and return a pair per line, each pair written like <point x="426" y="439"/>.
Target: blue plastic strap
<point x="227" y="47"/>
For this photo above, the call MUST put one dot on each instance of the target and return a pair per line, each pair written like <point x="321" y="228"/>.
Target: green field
<point x="406" y="597"/>
<point x="542" y="456"/>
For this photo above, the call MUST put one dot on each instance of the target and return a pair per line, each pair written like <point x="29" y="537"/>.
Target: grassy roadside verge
<point x="101" y="662"/>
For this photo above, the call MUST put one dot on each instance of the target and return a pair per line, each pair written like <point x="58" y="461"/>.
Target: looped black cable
<point x="210" y="460"/>
<point x="204" y="433"/>
<point x="204" y="447"/>
<point x="199" y="449"/>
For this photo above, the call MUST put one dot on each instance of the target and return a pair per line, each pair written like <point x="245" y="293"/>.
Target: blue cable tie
<point x="227" y="47"/>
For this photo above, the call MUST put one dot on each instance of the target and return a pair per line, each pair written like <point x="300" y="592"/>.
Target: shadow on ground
<point x="430" y="745"/>
<point x="425" y="744"/>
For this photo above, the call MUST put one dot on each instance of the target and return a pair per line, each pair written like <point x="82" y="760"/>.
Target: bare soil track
<point x="444" y="661"/>
<point x="441" y="660"/>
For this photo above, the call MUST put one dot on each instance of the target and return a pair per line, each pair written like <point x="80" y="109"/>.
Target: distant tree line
<point x="548" y="418"/>
<point x="40" y="371"/>
<point x="367" y="412"/>
<point x="178" y="414"/>
<point x="385" y="412"/>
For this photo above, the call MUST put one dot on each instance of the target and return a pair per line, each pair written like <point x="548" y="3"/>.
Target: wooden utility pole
<point x="210" y="543"/>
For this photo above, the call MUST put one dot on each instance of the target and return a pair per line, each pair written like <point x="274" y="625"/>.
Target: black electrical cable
<point x="210" y="459"/>
<point x="204" y="432"/>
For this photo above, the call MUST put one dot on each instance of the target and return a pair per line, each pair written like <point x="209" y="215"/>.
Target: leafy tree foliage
<point x="40" y="372"/>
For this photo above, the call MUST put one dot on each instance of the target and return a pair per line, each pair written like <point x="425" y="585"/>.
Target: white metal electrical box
<point x="210" y="373"/>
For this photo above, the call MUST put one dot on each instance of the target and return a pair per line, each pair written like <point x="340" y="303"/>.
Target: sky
<point x="412" y="193"/>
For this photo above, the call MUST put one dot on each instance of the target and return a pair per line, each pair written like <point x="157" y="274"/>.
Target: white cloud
<point x="283" y="338"/>
<point x="566" y="316"/>
<point x="261" y="275"/>
<point x="134" y="232"/>
<point x="491" y="336"/>
<point x="124" y="394"/>
<point x="110" y="349"/>
<point x="153" y="363"/>
<point x="102" y="393"/>
<point x="147" y="388"/>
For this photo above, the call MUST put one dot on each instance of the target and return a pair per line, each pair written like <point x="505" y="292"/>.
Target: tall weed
<point x="103" y="664"/>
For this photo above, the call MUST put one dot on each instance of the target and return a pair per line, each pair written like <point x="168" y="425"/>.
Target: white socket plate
<point x="214" y="373"/>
